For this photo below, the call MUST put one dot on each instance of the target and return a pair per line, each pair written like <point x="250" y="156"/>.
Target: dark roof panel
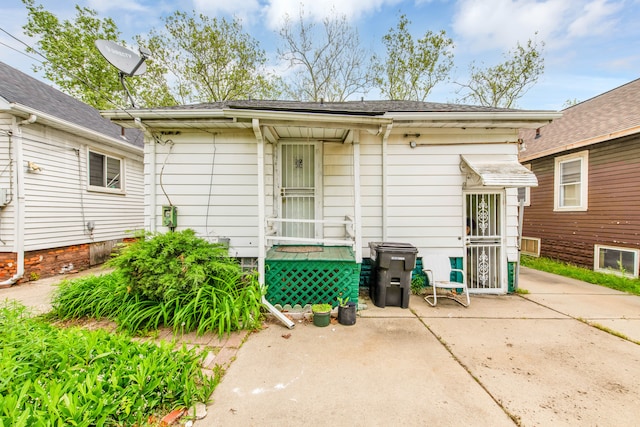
<point x="598" y="117"/>
<point x="366" y="107"/>
<point x="17" y="87"/>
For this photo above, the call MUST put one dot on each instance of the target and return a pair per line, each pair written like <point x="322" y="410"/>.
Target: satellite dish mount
<point x="128" y="63"/>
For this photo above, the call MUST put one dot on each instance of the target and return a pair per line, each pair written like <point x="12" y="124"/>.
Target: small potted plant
<point x="321" y="314"/>
<point x="346" y="311"/>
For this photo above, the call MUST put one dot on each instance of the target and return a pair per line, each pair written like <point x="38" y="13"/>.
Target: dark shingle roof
<point x="17" y="87"/>
<point x="349" y="107"/>
<point x="598" y="118"/>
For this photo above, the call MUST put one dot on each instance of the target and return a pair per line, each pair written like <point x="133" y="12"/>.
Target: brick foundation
<point x="47" y="262"/>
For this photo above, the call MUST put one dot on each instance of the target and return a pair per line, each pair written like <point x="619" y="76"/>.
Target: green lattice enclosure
<point x="311" y="274"/>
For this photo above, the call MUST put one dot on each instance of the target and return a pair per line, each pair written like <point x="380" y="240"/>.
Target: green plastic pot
<point x="322" y="319"/>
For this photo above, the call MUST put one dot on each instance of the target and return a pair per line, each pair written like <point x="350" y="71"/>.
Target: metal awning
<point x="491" y="170"/>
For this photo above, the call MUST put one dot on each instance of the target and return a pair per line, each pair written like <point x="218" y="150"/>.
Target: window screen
<point x="104" y="171"/>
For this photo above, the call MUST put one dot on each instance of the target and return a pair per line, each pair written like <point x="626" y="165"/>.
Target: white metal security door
<point x="484" y="242"/>
<point x="298" y="189"/>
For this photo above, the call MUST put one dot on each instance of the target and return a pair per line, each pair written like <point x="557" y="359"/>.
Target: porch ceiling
<point x="310" y="133"/>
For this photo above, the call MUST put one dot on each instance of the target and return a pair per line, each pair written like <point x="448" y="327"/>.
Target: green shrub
<point x="156" y="266"/>
<point x="173" y="279"/>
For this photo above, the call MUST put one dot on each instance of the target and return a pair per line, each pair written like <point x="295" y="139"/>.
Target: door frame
<point x="318" y="184"/>
<point x="502" y="261"/>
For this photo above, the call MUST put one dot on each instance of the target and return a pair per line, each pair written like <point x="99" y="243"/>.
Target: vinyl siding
<point x="425" y="191"/>
<point x="57" y="202"/>
<point x="212" y="179"/>
<point x="424" y="194"/>
<point x="613" y="214"/>
<point x="7" y="213"/>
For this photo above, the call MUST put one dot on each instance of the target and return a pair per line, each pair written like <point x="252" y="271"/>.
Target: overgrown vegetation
<point x="53" y="376"/>
<point x="613" y="281"/>
<point x="173" y="279"/>
<point x="418" y="282"/>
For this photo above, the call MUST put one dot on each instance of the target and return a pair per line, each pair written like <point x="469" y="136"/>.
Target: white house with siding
<point x="71" y="182"/>
<point x="265" y="174"/>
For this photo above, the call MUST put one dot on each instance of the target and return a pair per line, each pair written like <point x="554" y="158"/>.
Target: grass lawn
<point x="613" y="280"/>
<point x="69" y="376"/>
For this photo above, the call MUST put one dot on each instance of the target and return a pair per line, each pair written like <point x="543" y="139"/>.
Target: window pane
<point x="570" y="195"/>
<point x="113" y="172"/>
<point x="617" y="260"/>
<point x="96" y="169"/>
<point x="570" y="172"/>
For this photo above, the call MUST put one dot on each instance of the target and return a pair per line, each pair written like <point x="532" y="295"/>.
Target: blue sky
<point x="591" y="46"/>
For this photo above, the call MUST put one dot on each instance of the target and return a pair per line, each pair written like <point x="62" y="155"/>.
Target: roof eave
<point x="581" y="144"/>
<point x="211" y="117"/>
<point x="73" y="128"/>
<point x="506" y="119"/>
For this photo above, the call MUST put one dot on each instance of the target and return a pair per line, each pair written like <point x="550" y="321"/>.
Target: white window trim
<point x="101" y="189"/>
<point x="584" y="182"/>
<point x="527" y="190"/>
<point x="596" y="260"/>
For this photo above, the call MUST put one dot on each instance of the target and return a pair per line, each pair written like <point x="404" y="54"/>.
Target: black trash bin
<point x="391" y="273"/>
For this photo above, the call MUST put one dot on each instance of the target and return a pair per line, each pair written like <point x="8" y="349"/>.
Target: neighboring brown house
<point x="586" y="208"/>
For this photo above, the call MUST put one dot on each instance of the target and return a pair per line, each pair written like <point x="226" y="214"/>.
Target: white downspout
<point x="262" y="251"/>
<point x="262" y="254"/>
<point x="385" y="139"/>
<point x="152" y="186"/>
<point x="20" y="204"/>
<point x="358" y="196"/>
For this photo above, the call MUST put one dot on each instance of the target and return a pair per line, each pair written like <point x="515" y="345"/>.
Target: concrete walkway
<point x="545" y="358"/>
<point x="505" y="360"/>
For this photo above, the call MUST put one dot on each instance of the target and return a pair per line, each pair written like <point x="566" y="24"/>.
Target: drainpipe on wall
<point x="19" y="206"/>
<point x="151" y="155"/>
<point x="385" y="139"/>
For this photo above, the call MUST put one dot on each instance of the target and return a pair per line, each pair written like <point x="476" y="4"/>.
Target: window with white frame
<point x="611" y="259"/>
<point x="571" y="182"/>
<point x="524" y="193"/>
<point x="105" y="172"/>
<point x="530" y="246"/>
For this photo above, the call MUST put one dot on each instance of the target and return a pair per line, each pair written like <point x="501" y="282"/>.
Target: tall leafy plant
<point x="175" y="279"/>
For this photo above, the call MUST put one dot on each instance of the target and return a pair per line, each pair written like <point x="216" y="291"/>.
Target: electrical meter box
<point x="170" y="216"/>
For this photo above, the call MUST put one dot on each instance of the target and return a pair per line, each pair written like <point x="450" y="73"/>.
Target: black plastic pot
<point x="347" y="314"/>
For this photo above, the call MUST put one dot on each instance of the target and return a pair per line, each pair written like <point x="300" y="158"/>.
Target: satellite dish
<point x="128" y="62"/>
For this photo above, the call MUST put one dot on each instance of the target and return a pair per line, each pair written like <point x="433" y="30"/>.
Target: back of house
<point x="285" y="183"/>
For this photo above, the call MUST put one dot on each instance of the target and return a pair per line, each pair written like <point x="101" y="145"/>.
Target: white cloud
<point x="319" y="9"/>
<point x="499" y="24"/>
<point x="596" y="19"/>
<point x="102" y="6"/>
<point x="246" y="10"/>
<point x="273" y="11"/>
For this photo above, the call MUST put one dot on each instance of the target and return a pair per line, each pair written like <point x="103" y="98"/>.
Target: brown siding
<point x="613" y="215"/>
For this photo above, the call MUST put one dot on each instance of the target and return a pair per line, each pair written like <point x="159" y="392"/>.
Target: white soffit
<point x="496" y="171"/>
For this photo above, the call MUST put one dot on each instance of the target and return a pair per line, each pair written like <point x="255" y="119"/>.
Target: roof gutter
<point x="77" y="129"/>
<point x="265" y="116"/>
<point x="525" y="119"/>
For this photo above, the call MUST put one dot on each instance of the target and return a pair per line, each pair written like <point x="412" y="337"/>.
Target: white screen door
<point x="298" y="189"/>
<point x="484" y="251"/>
